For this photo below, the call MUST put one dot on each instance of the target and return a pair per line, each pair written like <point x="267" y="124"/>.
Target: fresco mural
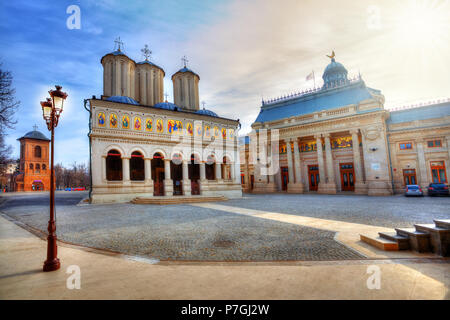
<point x="207" y="131"/>
<point x="190" y="128"/>
<point x="341" y="142"/>
<point x="137" y="123"/>
<point x="224" y="133"/>
<point x="198" y="130"/>
<point x="148" y="124"/>
<point x="113" y="121"/>
<point x="159" y="126"/>
<point x="125" y="122"/>
<point x="101" y="119"/>
<point x="174" y="126"/>
<point x="216" y="132"/>
<point x="308" y="146"/>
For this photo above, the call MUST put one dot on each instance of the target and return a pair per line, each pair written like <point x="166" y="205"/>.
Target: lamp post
<point x="51" y="110"/>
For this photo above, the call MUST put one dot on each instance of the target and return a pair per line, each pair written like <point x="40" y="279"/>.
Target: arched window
<point x="31" y="166"/>
<point x="38" y="168"/>
<point x="137" y="171"/>
<point x="37" y="152"/>
<point x="114" y="166"/>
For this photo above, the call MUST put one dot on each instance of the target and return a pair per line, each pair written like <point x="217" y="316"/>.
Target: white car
<point x="413" y="190"/>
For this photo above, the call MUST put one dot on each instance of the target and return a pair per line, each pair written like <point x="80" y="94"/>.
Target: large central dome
<point x="335" y="74"/>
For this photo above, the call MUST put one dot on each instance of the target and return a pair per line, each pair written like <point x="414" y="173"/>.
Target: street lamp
<point x="51" y="110"/>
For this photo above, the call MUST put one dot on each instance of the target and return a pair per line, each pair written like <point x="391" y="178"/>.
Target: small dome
<point x="151" y="63"/>
<point x="37" y="135"/>
<point x="334" y="74"/>
<point x="207" y="113"/>
<point x="167" y="106"/>
<point x="185" y="69"/>
<point x="122" y="99"/>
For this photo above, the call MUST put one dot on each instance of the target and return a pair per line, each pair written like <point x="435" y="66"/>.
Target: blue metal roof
<point x="150" y="63"/>
<point x="207" y="113"/>
<point x="122" y="99"/>
<point x="186" y="70"/>
<point x="37" y="135"/>
<point x="167" y="106"/>
<point x="421" y="113"/>
<point x="325" y="99"/>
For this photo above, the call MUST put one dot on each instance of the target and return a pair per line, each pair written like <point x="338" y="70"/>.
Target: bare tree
<point x="8" y="102"/>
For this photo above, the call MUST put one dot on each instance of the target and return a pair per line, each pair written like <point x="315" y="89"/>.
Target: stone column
<point x="148" y="169"/>
<point x="202" y="171"/>
<point x="126" y="170"/>
<point x="118" y="79"/>
<point x="298" y="186"/>
<point x="233" y="173"/>
<point x="289" y="160"/>
<point x="330" y="185"/>
<point x="168" y="183"/>
<point x="322" y="179"/>
<point x="103" y="168"/>
<point x="186" y="181"/>
<point x="218" y="169"/>
<point x="423" y="179"/>
<point x="186" y="92"/>
<point x="151" y="94"/>
<point x="360" y="186"/>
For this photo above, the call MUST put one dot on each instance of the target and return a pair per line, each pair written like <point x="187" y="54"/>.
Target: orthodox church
<point x="339" y="137"/>
<point x="143" y="146"/>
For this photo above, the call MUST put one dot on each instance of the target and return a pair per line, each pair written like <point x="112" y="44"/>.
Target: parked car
<point x="413" y="190"/>
<point x="435" y="189"/>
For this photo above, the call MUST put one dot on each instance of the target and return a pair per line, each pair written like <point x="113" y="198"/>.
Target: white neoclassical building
<point x="142" y="146"/>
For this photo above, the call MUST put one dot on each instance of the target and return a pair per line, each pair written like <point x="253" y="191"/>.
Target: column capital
<point x="326" y="135"/>
<point x="354" y="131"/>
<point x="318" y="136"/>
<point x="126" y="158"/>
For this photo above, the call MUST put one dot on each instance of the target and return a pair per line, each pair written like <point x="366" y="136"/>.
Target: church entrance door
<point x="158" y="175"/>
<point x="284" y="178"/>
<point x="194" y="175"/>
<point x="313" y="175"/>
<point x="37" y="185"/>
<point x="347" y="177"/>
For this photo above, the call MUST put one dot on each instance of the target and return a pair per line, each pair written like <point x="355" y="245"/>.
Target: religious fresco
<point x="283" y="148"/>
<point x="174" y="126"/>
<point x="308" y="146"/>
<point x="148" y="124"/>
<point x="125" y="122"/>
<point x="224" y="133"/>
<point x="113" y="121"/>
<point x="159" y="126"/>
<point x="216" y="132"/>
<point x="137" y="123"/>
<point x="341" y="142"/>
<point x="231" y="133"/>
<point x="101" y="119"/>
<point x="207" y="131"/>
<point x="190" y="128"/>
<point x="198" y="130"/>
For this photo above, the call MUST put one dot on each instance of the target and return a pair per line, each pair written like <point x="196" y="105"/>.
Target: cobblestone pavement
<point x="177" y="232"/>
<point x="392" y="211"/>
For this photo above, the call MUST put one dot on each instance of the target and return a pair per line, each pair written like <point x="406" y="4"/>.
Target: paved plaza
<point x="227" y="231"/>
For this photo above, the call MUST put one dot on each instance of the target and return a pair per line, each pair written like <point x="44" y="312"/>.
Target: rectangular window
<point x="434" y="144"/>
<point x="405" y="146"/>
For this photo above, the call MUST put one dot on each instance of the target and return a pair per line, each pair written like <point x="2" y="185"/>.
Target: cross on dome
<point x="118" y="44"/>
<point x="35" y="127"/>
<point x="185" y="61"/>
<point x="146" y="52"/>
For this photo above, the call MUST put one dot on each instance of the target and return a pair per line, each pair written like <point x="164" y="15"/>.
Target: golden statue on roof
<point x="332" y="55"/>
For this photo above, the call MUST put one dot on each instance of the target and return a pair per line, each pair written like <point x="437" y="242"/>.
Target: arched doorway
<point x="209" y="168"/>
<point x="158" y="174"/>
<point x="176" y="172"/>
<point x="194" y="174"/>
<point x="114" y="166"/>
<point x="37" y="185"/>
<point x="137" y="171"/>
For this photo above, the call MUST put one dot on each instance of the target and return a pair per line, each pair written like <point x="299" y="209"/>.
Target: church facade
<point x="339" y="137"/>
<point x="143" y="146"/>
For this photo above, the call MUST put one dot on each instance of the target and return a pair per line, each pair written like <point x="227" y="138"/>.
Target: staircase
<point x="177" y="199"/>
<point x="422" y="238"/>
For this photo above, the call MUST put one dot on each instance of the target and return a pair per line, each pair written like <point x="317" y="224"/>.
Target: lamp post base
<point x="51" y="265"/>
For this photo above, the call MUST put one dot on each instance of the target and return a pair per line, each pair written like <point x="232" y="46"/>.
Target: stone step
<point x="177" y="200"/>
<point x="380" y="243"/>
<point x="442" y="223"/>
<point x="402" y="241"/>
<point x="439" y="238"/>
<point x="418" y="240"/>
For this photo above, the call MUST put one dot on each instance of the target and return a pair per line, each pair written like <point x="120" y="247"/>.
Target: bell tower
<point x="185" y="87"/>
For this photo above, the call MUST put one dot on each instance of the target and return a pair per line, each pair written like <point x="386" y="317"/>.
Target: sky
<point x="244" y="51"/>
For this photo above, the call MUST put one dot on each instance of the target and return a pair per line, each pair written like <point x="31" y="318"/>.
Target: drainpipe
<point x="390" y="163"/>
<point x="89" y="136"/>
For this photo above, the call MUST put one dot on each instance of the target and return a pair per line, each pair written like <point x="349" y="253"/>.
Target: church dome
<point x="122" y="99"/>
<point x="184" y="70"/>
<point x="334" y="74"/>
<point x="207" y="113"/>
<point x="151" y="64"/>
<point x="37" y="135"/>
<point x="167" y="106"/>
